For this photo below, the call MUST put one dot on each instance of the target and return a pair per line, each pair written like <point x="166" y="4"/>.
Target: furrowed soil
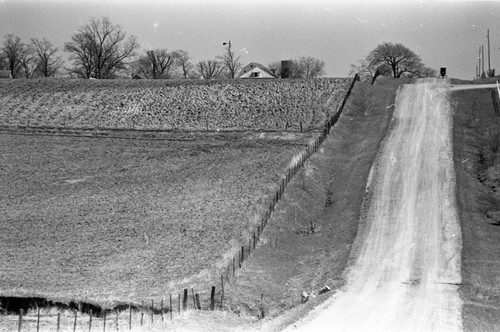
<point x="477" y="166"/>
<point x="109" y="220"/>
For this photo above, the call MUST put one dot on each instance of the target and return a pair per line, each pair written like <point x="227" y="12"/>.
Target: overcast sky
<point x="444" y="33"/>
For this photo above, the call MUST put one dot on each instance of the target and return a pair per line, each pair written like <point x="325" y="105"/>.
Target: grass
<point x="328" y="194"/>
<point x="476" y="146"/>
<point x="109" y="220"/>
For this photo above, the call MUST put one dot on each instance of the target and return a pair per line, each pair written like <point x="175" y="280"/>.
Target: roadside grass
<point x="109" y="221"/>
<point x="477" y="165"/>
<point x="309" y="240"/>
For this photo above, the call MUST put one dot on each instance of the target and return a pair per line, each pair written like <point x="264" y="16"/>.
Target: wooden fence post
<point x="58" y="321"/>
<point x="161" y="309"/>
<point x="37" y="319"/>
<point x="130" y="317"/>
<point x="222" y="293"/>
<point x="20" y="324"/>
<point x="198" y="303"/>
<point x="212" y="297"/>
<point x="90" y="320"/>
<point x="194" y="298"/>
<point x="152" y="311"/>
<point x="104" y="322"/>
<point x="142" y="311"/>
<point x="74" y="323"/>
<point x="170" y="295"/>
<point x="185" y="300"/>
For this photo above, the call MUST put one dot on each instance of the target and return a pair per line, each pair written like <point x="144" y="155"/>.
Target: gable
<point x="255" y="70"/>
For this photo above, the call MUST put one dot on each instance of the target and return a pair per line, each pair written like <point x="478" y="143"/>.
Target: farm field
<point x="164" y="104"/>
<point x="116" y="219"/>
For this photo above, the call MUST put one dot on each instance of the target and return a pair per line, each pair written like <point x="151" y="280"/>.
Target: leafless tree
<point x="46" y="58"/>
<point x="155" y="63"/>
<point x="15" y="52"/>
<point x="400" y="60"/>
<point x="210" y="69"/>
<point x="230" y="61"/>
<point x="308" y="67"/>
<point x="275" y="68"/>
<point x="99" y="49"/>
<point x="28" y="61"/>
<point x="304" y="67"/>
<point x="182" y="61"/>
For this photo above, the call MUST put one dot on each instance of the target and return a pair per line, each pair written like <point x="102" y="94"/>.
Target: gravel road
<point x="406" y="273"/>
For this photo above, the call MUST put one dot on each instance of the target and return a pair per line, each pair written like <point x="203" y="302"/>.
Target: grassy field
<point x="117" y="219"/>
<point x="477" y="165"/>
<point x="166" y="104"/>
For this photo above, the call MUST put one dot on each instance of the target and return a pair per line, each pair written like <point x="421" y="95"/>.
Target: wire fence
<point x="91" y="318"/>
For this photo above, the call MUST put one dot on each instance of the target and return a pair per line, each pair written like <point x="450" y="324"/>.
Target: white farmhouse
<point x="255" y="70"/>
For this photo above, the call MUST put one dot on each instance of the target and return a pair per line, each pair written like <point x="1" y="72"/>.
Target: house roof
<point x="5" y="74"/>
<point x="254" y="67"/>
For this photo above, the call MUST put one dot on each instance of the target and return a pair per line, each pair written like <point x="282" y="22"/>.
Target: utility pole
<point x="479" y="66"/>
<point x="488" y="36"/>
<point x="482" y="57"/>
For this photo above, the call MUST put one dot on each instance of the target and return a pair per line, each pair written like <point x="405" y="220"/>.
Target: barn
<point x="255" y="70"/>
<point x="5" y="74"/>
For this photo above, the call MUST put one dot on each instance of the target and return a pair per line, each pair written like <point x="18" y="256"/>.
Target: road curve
<point x="407" y="270"/>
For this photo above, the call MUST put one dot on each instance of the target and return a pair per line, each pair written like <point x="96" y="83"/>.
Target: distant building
<point x="255" y="70"/>
<point x="5" y="74"/>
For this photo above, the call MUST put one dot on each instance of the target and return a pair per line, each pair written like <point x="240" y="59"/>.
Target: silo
<point x="286" y="68"/>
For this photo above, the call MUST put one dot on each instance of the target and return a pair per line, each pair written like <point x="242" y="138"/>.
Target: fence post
<point x="198" y="303"/>
<point x="185" y="300"/>
<point x="212" y="296"/>
<point x="104" y="322"/>
<point x="74" y="322"/>
<point x="37" y="319"/>
<point x="20" y="325"/>
<point x="58" y="321"/>
<point x="142" y="311"/>
<point x="152" y="311"/>
<point x="222" y="293"/>
<point x="171" y="314"/>
<point x="130" y="317"/>
<point x="90" y="320"/>
<point x="194" y="298"/>
<point x="161" y="310"/>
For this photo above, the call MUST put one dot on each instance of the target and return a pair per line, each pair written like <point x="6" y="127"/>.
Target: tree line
<point x="101" y="49"/>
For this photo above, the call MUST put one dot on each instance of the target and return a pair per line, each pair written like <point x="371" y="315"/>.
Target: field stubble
<point x="106" y="220"/>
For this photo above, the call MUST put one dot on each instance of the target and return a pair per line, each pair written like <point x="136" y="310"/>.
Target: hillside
<point x="297" y="105"/>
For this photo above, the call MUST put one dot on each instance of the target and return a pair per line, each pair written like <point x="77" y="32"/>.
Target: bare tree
<point x="304" y="67"/>
<point x="182" y="61"/>
<point x="28" y="61"/>
<point x="230" y="61"/>
<point x="47" y="61"/>
<point x="99" y="49"/>
<point x="155" y="64"/>
<point x="275" y="68"/>
<point x="400" y="60"/>
<point x="308" y="67"/>
<point x="14" y="51"/>
<point x="210" y="69"/>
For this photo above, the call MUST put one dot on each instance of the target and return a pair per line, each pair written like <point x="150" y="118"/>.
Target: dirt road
<point x="407" y="268"/>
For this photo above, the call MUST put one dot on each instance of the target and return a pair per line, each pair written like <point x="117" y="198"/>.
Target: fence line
<point x="228" y="272"/>
<point x="290" y="173"/>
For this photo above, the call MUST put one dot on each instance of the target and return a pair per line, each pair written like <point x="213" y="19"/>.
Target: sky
<point x="444" y="33"/>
